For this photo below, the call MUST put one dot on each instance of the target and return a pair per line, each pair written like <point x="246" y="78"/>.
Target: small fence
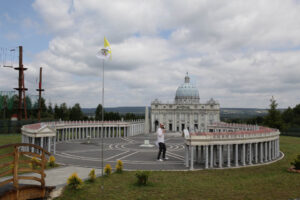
<point x="293" y="131"/>
<point x="18" y="191"/>
<point x="9" y="126"/>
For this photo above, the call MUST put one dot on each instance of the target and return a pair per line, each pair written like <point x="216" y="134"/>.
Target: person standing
<point x="186" y="133"/>
<point x="161" y="143"/>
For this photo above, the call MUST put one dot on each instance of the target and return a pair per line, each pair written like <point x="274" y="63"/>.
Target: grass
<point x="8" y="139"/>
<point x="262" y="182"/>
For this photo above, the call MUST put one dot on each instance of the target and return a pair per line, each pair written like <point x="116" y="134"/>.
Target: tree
<point x="50" y="109"/>
<point x="64" y="111"/>
<point x="273" y="119"/>
<point x="44" y="112"/>
<point x="98" y="112"/>
<point x="76" y="113"/>
<point x="61" y="112"/>
<point x="288" y="116"/>
<point x="57" y="113"/>
<point x="296" y="119"/>
<point x="30" y="111"/>
<point x="112" y="116"/>
<point x="132" y="116"/>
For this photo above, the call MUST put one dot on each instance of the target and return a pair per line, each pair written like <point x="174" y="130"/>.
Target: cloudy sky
<point x="241" y="53"/>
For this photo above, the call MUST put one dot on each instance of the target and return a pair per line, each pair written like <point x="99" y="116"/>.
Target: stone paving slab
<point x="134" y="157"/>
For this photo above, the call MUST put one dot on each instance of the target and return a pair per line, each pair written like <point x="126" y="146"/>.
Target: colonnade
<point x="231" y="155"/>
<point x="48" y="143"/>
<point x="66" y="131"/>
<point x="90" y="132"/>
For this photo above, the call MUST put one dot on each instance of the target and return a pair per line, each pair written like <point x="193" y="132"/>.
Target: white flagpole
<point x="102" y="149"/>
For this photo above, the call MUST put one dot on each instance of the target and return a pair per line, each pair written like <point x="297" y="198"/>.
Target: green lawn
<point x="8" y="139"/>
<point x="263" y="182"/>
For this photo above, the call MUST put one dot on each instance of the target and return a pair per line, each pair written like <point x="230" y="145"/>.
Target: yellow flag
<point x="106" y="43"/>
<point x="105" y="52"/>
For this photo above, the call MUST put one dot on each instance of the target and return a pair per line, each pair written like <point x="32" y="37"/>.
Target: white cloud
<point x="241" y="53"/>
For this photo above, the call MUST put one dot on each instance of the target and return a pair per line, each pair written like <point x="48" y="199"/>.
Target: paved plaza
<point x="80" y="153"/>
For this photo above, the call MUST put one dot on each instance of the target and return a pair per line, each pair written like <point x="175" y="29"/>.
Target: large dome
<point x="187" y="93"/>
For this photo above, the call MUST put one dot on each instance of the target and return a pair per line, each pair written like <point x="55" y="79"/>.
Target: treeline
<point x="286" y="121"/>
<point x="9" y="106"/>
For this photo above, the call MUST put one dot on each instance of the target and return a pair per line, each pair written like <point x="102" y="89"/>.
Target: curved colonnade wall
<point x="47" y="134"/>
<point x="232" y="145"/>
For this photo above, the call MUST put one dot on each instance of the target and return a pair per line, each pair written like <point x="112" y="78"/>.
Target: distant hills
<point x="241" y="113"/>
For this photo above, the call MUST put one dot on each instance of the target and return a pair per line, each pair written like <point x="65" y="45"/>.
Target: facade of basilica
<point x="186" y="111"/>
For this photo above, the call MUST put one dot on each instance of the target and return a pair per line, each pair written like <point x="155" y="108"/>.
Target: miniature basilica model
<point x="186" y="111"/>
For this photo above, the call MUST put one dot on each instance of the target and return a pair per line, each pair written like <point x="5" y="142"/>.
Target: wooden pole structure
<point x="40" y="90"/>
<point x="21" y="87"/>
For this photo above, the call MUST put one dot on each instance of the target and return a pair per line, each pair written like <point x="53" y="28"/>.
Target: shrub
<point x="52" y="161"/>
<point x="92" y="175"/>
<point x="142" y="177"/>
<point x="296" y="162"/>
<point x="119" y="166"/>
<point x="74" y="182"/>
<point x="107" y="169"/>
<point x="34" y="164"/>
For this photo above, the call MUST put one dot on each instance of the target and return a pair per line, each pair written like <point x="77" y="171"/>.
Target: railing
<point x="16" y="168"/>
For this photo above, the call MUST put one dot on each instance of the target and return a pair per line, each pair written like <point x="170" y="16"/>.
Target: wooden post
<point x="43" y="173"/>
<point x="15" y="172"/>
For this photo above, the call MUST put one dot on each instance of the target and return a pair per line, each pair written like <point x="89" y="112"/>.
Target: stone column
<point x="250" y="154"/>
<point x="68" y="134"/>
<point x="275" y="145"/>
<point x="186" y="147"/>
<point x="192" y="158"/>
<point x="215" y="150"/>
<point x="49" y="143"/>
<point x="206" y="156"/>
<point x="197" y="153"/>
<point x="236" y="155"/>
<point x="278" y="148"/>
<point x="220" y="156"/>
<point x="32" y="142"/>
<point x="266" y="151"/>
<point x="270" y="150"/>
<point x="54" y="147"/>
<point x="228" y="156"/>
<point x="243" y="155"/>
<point x="256" y="153"/>
<point x="63" y="134"/>
<point x="211" y="156"/>
<point x="202" y="154"/>
<point x="261" y="152"/>
<point x="76" y="133"/>
<point x="42" y="142"/>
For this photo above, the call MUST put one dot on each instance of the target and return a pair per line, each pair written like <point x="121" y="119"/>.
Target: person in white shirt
<point x="161" y="143"/>
<point x="186" y="133"/>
